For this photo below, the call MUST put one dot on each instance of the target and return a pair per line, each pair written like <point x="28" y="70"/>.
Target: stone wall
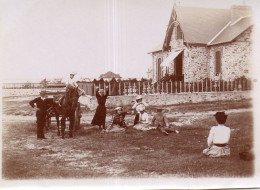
<point x="235" y="58"/>
<point x="153" y="100"/>
<point x="172" y="99"/>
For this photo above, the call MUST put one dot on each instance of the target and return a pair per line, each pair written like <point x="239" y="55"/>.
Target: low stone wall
<point x="153" y="99"/>
<point x="171" y="99"/>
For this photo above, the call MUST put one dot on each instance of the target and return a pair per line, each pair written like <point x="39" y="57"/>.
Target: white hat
<point x="139" y="97"/>
<point x="73" y="73"/>
<point x="118" y="108"/>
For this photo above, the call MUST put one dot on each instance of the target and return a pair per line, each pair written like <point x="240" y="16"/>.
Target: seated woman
<point x="143" y="121"/>
<point x="118" y="121"/>
<point x="218" y="138"/>
<point x="137" y="105"/>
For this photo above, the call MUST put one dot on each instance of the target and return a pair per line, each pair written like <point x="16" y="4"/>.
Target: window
<point x="218" y="63"/>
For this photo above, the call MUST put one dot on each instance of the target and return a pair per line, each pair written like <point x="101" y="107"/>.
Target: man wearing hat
<point x="41" y="109"/>
<point x="218" y="138"/>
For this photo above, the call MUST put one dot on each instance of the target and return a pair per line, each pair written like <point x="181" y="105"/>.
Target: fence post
<point x="176" y="86"/>
<point x="167" y="87"/>
<point x="171" y="86"/>
<point x="184" y="86"/>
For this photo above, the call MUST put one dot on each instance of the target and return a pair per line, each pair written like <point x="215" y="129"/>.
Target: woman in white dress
<point x="218" y="139"/>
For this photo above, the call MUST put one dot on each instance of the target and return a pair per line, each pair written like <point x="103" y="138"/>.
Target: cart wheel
<point x="77" y="118"/>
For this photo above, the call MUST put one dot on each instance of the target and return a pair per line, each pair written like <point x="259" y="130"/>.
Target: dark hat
<point x="220" y="114"/>
<point x="221" y="117"/>
<point x="159" y="109"/>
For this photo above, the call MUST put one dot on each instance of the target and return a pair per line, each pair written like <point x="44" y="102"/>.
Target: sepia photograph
<point x="143" y="93"/>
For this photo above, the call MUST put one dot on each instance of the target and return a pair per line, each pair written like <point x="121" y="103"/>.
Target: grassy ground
<point x="132" y="153"/>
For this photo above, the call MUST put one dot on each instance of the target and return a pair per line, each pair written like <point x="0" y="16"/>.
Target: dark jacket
<point x="41" y="104"/>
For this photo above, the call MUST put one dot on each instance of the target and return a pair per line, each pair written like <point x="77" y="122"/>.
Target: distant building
<point x="205" y="43"/>
<point x="109" y="75"/>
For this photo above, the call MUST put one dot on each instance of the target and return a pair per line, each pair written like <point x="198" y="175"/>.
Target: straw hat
<point x="139" y="97"/>
<point x="118" y="108"/>
<point x="73" y="73"/>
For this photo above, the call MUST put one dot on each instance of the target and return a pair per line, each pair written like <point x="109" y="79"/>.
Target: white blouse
<point x="72" y="82"/>
<point x="219" y="135"/>
<point x="143" y="118"/>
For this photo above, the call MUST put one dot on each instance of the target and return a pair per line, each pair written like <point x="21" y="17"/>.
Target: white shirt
<point x="143" y="117"/>
<point x="72" y="82"/>
<point x="219" y="135"/>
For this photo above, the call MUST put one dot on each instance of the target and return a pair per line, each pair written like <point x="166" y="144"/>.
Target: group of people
<point x="218" y="139"/>
<point x="118" y="123"/>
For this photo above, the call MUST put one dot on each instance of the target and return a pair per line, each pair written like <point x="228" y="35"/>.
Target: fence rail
<point x="147" y="87"/>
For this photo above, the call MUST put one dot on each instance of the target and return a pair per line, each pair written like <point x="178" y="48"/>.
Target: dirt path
<point x="183" y="118"/>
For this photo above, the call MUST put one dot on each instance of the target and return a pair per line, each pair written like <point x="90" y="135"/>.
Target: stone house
<point x="205" y="43"/>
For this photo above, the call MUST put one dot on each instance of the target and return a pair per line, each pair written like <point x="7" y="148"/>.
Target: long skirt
<point x="216" y="151"/>
<point x="100" y="116"/>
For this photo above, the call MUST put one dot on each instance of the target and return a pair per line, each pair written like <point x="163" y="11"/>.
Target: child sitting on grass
<point x="118" y="120"/>
<point x="160" y="121"/>
<point x="218" y="138"/>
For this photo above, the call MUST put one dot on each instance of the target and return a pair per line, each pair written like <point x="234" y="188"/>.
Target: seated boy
<point x="218" y="138"/>
<point x="118" y="120"/>
<point x="160" y="121"/>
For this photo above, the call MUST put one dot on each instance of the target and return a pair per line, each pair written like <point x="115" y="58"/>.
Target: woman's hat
<point x="221" y="117"/>
<point x="73" y="73"/>
<point x="159" y="109"/>
<point x="139" y="97"/>
<point x="118" y="108"/>
<point x="220" y="114"/>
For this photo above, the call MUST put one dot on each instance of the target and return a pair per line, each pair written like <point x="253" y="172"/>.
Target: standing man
<point x="41" y="109"/>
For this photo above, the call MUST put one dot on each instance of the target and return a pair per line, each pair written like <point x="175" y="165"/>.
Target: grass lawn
<point x="132" y="153"/>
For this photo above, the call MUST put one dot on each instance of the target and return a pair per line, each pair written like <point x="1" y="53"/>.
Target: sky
<point x="51" y="38"/>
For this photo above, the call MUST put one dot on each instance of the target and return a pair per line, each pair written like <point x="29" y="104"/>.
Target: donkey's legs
<point x="63" y="125"/>
<point x="72" y="120"/>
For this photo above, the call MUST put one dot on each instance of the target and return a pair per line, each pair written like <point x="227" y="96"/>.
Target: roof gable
<point x="204" y="25"/>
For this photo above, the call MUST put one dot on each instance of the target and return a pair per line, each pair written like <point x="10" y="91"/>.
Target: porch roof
<point x="171" y="57"/>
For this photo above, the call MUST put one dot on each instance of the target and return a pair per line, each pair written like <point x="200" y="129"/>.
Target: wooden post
<point x="181" y="86"/>
<point x="184" y="86"/>
<point x="171" y="86"/>
<point x="189" y="87"/>
<point x="109" y="88"/>
<point x="167" y="87"/>
<point x="139" y="87"/>
<point x="94" y="89"/>
<point x="235" y="88"/>
<point x="176" y="87"/>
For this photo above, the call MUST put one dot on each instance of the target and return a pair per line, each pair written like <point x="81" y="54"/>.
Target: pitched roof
<point x="232" y="31"/>
<point x="206" y="26"/>
<point x="109" y="74"/>
<point x="200" y="25"/>
<point x="157" y="48"/>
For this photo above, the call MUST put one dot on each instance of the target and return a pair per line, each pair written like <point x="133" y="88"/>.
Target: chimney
<point x="238" y="11"/>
